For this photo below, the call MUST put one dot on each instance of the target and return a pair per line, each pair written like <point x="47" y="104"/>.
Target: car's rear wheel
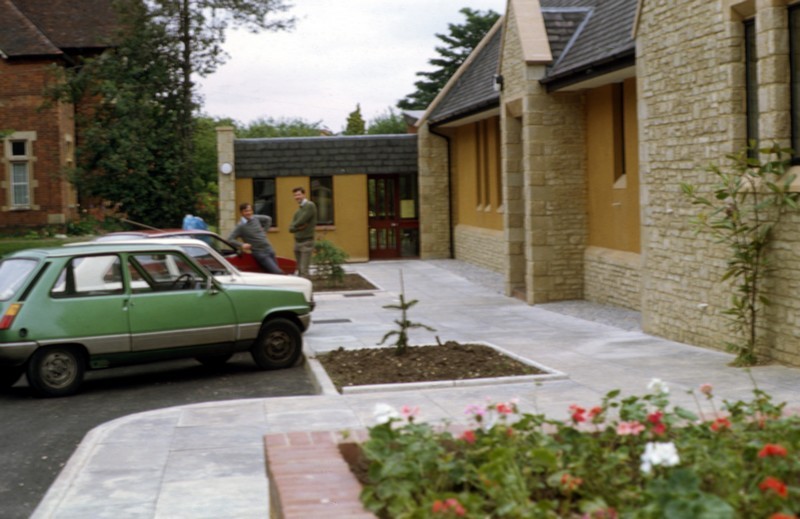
<point x="55" y="371"/>
<point x="279" y="345"/>
<point x="10" y="374"/>
<point x="214" y="361"/>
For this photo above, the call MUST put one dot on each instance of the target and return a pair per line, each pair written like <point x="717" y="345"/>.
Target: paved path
<point x="206" y="460"/>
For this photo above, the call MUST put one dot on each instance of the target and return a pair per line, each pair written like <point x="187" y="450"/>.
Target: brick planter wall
<point x="309" y="478"/>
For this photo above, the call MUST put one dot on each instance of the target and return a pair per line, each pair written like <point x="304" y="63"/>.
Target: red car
<point x="241" y="261"/>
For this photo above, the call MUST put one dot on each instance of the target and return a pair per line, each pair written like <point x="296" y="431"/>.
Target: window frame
<point x="19" y="181"/>
<point x="793" y="14"/>
<point x="312" y="195"/>
<point x="260" y="193"/>
<point x="751" y="82"/>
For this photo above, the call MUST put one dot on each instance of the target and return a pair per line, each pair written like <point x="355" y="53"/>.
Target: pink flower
<point x="451" y="504"/>
<point x="409" y="413"/>
<point x="772" y="449"/>
<point x="706" y="389"/>
<point x="633" y="428"/>
<point x="477" y="410"/>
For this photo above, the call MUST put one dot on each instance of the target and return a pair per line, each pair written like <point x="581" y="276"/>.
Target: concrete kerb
<point x="325" y="385"/>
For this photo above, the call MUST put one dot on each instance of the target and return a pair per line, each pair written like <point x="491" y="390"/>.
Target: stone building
<point x="601" y="110"/>
<point x="37" y="37"/>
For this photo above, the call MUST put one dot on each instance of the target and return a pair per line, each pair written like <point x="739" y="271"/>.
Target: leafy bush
<point x="328" y="260"/>
<point x="632" y="457"/>
<point x="749" y="201"/>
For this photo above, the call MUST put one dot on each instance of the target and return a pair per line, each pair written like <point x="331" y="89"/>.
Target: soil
<point x="448" y="361"/>
<point x="351" y="281"/>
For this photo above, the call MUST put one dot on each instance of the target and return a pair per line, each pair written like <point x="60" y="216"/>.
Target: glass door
<point x="393" y="219"/>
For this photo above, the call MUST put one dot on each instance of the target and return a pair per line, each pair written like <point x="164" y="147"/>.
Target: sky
<point x="341" y="53"/>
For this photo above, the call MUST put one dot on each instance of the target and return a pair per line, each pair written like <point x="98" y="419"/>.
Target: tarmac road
<point x="39" y="435"/>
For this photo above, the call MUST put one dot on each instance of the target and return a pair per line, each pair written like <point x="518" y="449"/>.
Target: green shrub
<point x="631" y="457"/>
<point x="328" y="260"/>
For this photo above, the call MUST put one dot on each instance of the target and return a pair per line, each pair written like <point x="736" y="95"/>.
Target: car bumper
<point x="16" y="353"/>
<point x="305" y="320"/>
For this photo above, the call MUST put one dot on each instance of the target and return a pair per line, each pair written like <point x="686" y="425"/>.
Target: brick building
<point x="36" y="38"/>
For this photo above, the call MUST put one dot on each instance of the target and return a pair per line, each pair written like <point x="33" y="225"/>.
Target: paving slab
<point x="207" y="460"/>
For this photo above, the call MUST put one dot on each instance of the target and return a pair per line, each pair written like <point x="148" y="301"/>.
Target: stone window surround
<point x="30" y="138"/>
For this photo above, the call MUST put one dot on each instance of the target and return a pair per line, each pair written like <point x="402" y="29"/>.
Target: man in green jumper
<point x="303" y="224"/>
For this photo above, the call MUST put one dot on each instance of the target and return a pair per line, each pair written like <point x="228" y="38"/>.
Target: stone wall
<point x="434" y="191"/>
<point x="482" y="247"/>
<point x="612" y="277"/>
<point x="691" y="79"/>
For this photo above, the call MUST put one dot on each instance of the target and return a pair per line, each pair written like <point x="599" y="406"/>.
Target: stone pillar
<point x="226" y="177"/>
<point x="435" y="225"/>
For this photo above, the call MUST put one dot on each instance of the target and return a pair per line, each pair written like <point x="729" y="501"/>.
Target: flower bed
<point x="635" y="456"/>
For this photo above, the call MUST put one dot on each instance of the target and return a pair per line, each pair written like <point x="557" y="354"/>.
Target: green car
<point x="67" y="310"/>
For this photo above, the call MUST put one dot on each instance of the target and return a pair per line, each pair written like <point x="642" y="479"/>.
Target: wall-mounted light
<point x="497" y="82"/>
<point x="225" y="168"/>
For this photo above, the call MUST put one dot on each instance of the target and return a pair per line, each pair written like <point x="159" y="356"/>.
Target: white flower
<point x="659" y="454"/>
<point x="658" y="386"/>
<point x="383" y="413"/>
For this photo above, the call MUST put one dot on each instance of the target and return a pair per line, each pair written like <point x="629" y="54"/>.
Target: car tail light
<point x="8" y="317"/>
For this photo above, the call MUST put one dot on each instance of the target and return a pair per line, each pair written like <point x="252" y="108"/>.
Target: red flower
<point x="504" y="408"/>
<point x="469" y="437"/>
<point x="578" y="413"/>
<point x="772" y="449"/>
<point x="659" y="427"/>
<point x="779" y="515"/>
<point x="570" y="483"/>
<point x="720" y="423"/>
<point x="442" y="507"/>
<point x="595" y="411"/>
<point x="775" y="485"/>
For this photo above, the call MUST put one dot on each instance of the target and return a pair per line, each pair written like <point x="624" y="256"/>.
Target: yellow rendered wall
<point x="613" y="205"/>
<point x="349" y="231"/>
<point x="475" y="169"/>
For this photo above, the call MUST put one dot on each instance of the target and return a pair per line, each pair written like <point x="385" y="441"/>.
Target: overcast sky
<point x="342" y="52"/>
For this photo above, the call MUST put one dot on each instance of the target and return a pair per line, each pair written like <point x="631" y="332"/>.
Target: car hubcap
<point x="278" y="346"/>
<point x="58" y="370"/>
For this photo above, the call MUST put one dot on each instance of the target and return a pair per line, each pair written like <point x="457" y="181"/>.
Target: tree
<point x="461" y="41"/>
<point x="355" y="122"/>
<point x="386" y="123"/>
<point x="269" y="127"/>
<point x="135" y="142"/>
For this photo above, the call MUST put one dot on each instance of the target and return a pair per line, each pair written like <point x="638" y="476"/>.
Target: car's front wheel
<point x="279" y="345"/>
<point x="10" y="374"/>
<point x="55" y="371"/>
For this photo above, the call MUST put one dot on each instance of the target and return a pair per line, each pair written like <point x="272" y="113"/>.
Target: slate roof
<point x="602" y="40"/>
<point x="322" y="156"/>
<point x="587" y="38"/>
<point x="473" y="91"/>
<point x="55" y="27"/>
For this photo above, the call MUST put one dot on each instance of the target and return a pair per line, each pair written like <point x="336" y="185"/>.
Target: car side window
<point x="162" y="271"/>
<point x="204" y="258"/>
<point x="90" y="276"/>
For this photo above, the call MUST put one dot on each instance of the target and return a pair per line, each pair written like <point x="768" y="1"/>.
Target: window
<point x="618" y="103"/>
<point x="89" y="276"/>
<point x="794" y="48"/>
<point x="264" y="198"/>
<point x="322" y="196"/>
<point x="163" y="271"/>
<point x="19" y="152"/>
<point x="751" y="80"/>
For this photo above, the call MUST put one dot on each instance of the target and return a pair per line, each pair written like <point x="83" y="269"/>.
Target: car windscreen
<point x="13" y="274"/>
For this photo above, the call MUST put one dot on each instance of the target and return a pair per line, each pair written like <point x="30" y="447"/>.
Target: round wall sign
<point x="226" y="168"/>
